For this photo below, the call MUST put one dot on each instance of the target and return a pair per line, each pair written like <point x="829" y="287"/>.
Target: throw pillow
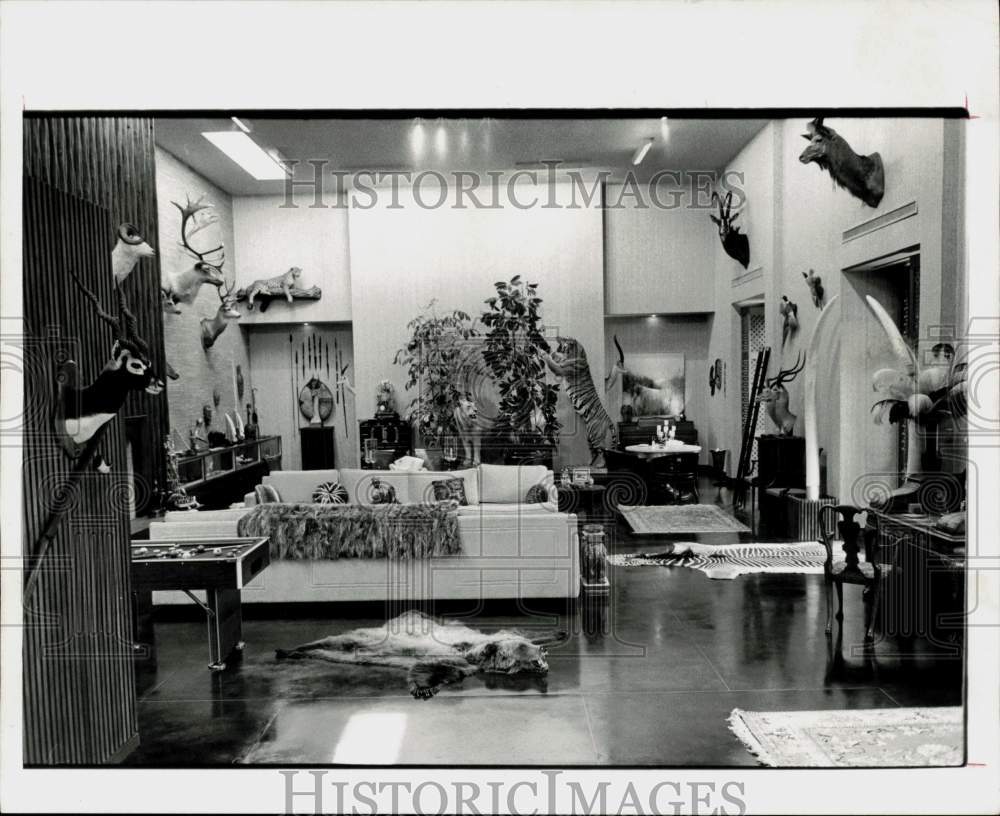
<point x="537" y="494"/>
<point x="330" y="493"/>
<point x="445" y="489"/>
<point x="266" y="494"/>
<point x="382" y="493"/>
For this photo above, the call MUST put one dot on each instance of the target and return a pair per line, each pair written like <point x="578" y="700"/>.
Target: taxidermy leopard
<point x="434" y="652"/>
<point x="279" y="284"/>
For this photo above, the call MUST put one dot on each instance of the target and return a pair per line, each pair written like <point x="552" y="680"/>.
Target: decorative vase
<point x="593" y="559"/>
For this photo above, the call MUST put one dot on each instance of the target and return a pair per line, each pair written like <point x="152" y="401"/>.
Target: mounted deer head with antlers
<point x="212" y="328"/>
<point x="735" y="243"/>
<point x="82" y="412"/>
<point x="182" y="286"/>
<point x="862" y="176"/>
<point x="775" y="397"/>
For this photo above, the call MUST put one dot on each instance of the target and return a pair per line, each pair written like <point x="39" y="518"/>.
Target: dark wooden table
<point x="587" y="501"/>
<point x="220" y="566"/>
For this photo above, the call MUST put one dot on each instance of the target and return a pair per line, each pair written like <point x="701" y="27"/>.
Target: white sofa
<point x="510" y="548"/>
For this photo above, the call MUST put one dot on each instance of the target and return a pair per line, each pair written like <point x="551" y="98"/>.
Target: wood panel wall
<point x="82" y="177"/>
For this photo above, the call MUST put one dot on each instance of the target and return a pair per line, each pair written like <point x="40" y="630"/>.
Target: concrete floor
<point x="678" y="652"/>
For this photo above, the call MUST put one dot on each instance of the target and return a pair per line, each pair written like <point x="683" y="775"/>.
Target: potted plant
<point x="434" y="360"/>
<point x="514" y="342"/>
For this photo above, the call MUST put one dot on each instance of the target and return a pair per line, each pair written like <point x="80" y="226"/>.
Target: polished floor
<point x="648" y="679"/>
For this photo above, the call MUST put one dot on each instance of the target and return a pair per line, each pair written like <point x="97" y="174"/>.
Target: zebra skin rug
<point x="728" y="561"/>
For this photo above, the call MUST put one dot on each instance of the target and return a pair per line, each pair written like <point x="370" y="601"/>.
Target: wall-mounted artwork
<point x="653" y="384"/>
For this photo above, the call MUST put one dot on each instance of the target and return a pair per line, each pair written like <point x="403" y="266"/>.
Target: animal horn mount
<point x="182" y="286"/>
<point x="735" y="243"/>
<point x="212" y="328"/>
<point x="775" y="397"/>
<point x="862" y="176"/>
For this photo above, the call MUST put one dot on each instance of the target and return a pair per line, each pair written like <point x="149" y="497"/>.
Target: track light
<point x="641" y="152"/>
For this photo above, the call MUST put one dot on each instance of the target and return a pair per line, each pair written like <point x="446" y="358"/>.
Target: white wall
<point x="272" y="238"/>
<point x="402" y="258"/>
<point x="201" y="371"/>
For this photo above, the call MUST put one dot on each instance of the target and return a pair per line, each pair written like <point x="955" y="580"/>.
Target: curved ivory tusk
<point x="812" y="445"/>
<point x="899" y="345"/>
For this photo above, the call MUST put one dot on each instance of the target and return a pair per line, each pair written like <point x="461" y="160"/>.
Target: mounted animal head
<point x="735" y="243"/>
<point x="183" y="286"/>
<point x="130" y="361"/>
<point x="862" y="176"/>
<point x="129" y="249"/>
<point x="212" y="328"/>
<point x="774" y="387"/>
<point x="815" y="284"/>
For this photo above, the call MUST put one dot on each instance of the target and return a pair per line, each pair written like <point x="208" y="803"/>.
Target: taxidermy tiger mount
<point x="775" y="397"/>
<point x="129" y="249"/>
<point x="183" y="286"/>
<point x="569" y="364"/>
<point x="862" y="176"/>
<point x="734" y="242"/>
<point x="470" y="428"/>
<point x="434" y="652"/>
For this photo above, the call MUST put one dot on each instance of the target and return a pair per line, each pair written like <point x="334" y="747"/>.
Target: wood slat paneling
<point x="83" y="176"/>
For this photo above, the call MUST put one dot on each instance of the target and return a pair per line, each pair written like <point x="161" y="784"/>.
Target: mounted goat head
<point x="862" y="176"/>
<point x="775" y="397"/>
<point x="211" y="329"/>
<point x="735" y="243"/>
<point x="129" y="248"/>
<point x="183" y="286"/>
<point x="82" y="412"/>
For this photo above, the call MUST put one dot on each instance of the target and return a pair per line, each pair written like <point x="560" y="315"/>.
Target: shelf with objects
<point x="219" y="476"/>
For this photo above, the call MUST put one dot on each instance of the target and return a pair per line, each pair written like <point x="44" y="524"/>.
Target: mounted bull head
<point x="735" y="243"/>
<point x="775" y="397"/>
<point x="862" y="176"/>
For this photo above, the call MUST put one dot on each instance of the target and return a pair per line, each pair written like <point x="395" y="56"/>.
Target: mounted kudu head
<point x="862" y="176"/>
<point x="735" y="243"/>
<point x="775" y="397"/>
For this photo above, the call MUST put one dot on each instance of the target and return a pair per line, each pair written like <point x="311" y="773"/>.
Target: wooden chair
<point x="851" y="570"/>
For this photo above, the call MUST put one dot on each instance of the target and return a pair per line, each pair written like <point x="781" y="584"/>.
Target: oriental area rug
<point x="682" y="518"/>
<point x="859" y="738"/>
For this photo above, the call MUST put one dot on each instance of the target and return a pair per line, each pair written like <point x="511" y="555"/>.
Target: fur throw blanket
<point x="325" y="531"/>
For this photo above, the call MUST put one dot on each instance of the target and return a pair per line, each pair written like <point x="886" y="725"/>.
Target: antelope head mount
<point x="182" y="286"/>
<point x="775" y="397"/>
<point x="735" y="243"/>
<point x="862" y="176"/>
<point x="211" y="328"/>
<point x="129" y="249"/>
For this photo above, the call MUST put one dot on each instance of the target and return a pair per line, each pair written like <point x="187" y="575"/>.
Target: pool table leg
<point x="225" y="626"/>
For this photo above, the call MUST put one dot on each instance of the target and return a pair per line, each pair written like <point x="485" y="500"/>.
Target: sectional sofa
<point x="510" y="548"/>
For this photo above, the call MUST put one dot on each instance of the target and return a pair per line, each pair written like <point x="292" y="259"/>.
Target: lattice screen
<point x="753" y="339"/>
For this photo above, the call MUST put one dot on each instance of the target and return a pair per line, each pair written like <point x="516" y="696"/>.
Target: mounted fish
<point x="129" y="249"/>
<point x="775" y="398"/>
<point x="789" y="312"/>
<point x="182" y="285"/>
<point x="735" y="243"/>
<point x="82" y="413"/>
<point x="815" y="284"/>
<point x="862" y="176"/>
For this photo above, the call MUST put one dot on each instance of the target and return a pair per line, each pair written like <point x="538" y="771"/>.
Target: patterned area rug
<point x="728" y="561"/>
<point x="682" y="518"/>
<point x="861" y="738"/>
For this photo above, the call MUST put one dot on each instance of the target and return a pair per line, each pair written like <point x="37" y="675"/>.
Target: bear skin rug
<point x="434" y="652"/>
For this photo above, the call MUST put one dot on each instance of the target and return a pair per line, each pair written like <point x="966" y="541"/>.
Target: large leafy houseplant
<point x="434" y="357"/>
<point x="514" y="344"/>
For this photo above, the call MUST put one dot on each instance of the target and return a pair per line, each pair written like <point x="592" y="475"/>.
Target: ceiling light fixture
<point x="641" y="152"/>
<point x="664" y="128"/>
<point x="441" y="141"/>
<point x="418" y="139"/>
<point x="241" y="124"/>
<point x="247" y="154"/>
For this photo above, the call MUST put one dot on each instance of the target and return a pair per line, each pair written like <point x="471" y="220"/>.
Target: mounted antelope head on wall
<point x="83" y="412"/>
<point x="130" y="247"/>
<point x="862" y="176"/>
<point x="735" y="243"/>
<point x="775" y="397"/>
<point x="212" y="328"/>
<point x="181" y="286"/>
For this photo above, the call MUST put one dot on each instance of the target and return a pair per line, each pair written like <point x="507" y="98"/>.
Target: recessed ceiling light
<point x="241" y="124"/>
<point x="247" y="154"/>
<point x="418" y="139"/>
<point x="441" y="141"/>
<point x="664" y="128"/>
<point x="640" y="154"/>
